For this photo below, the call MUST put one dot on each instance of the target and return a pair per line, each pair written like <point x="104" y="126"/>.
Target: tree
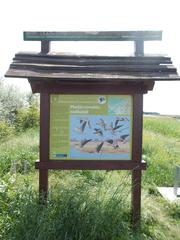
<point x="17" y="110"/>
<point x="11" y="99"/>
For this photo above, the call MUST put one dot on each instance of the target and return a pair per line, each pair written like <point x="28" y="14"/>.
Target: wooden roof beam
<point x="138" y="37"/>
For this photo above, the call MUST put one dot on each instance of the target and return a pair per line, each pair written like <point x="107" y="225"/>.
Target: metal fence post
<point x="176" y="180"/>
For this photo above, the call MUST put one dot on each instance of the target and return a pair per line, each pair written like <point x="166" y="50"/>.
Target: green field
<point x="89" y="205"/>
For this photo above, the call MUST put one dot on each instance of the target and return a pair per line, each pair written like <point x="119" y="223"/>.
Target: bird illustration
<point x="89" y="124"/>
<point x="109" y="141"/>
<point x="98" y="148"/>
<point x="102" y="99"/>
<point x="110" y="128"/>
<point x="98" y="131"/>
<point x="127" y="119"/>
<point x="114" y="143"/>
<point x="102" y="123"/>
<point x="124" y="138"/>
<point x="84" y="142"/>
<point x="117" y="121"/>
<point x="83" y="124"/>
<point x="114" y="128"/>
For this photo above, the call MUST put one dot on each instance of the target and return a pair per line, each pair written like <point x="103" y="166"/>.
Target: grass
<point x="84" y="205"/>
<point x="161" y="150"/>
<point x="90" y="205"/>
<point x="24" y="147"/>
<point x="166" y="126"/>
<point x="77" y="209"/>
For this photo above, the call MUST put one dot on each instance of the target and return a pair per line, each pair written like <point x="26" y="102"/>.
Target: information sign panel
<point x="90" y="127"/>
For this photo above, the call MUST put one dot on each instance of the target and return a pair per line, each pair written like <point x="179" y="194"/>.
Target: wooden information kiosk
<point x="91" y="107"/>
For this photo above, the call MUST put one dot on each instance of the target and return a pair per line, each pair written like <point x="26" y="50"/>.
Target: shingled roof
<point x="67" y="67"/>
<point x="55" y="66"/>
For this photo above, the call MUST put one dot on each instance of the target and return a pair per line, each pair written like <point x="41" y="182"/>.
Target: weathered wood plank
<point x="89" y="87"/>
<point x="94" y="36"/>
<point x="91" y="165"/>
<point x="82" y="61"/>
<point x="91" y="57"/>
<point x="92" y="76"/>
<point x="93" y="68"/>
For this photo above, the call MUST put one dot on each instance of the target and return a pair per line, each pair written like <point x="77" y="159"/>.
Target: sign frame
<point x="135" y="163"/>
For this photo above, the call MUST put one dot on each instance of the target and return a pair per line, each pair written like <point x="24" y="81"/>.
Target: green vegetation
<point x="5" y="130"/>
<point x="84" y="205"/>
<point x="84" y="209"/>
<point x="22" y="148"/>
<point x="19" y="111"/>
<point x="165" y="126"/>
<point x="26" y="118"/>
<point x="161" y="149"/>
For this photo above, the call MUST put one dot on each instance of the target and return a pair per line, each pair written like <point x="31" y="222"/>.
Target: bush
<point x="27" y="118"/>
<point x="17" y="108"/>
<point x="11" y="99"/>
<point x="32" y="117"/>
<point x="5" y="130"/>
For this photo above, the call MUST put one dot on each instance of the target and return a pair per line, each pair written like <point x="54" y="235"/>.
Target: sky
<point x="95" y="15"/>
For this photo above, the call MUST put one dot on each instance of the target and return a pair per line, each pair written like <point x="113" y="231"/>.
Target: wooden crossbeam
<point x="91" y="165"/>
<point x="94" y="36"/>
<point x="137" y="36"/>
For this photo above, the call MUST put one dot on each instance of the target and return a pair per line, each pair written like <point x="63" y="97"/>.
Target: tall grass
<point x="77" y="209"/>
<point x="90" y="206"/>
<point x="158" y="222"/>
<point x="161" y="150"/>
<point x="24" y="147"/>
<point x="166" y="126"/>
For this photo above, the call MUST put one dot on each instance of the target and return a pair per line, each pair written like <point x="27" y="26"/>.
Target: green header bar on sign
<point x="94" y="36"/>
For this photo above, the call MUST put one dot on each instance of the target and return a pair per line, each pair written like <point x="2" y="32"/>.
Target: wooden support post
<point x="44" y="145"/>
<point x="139" y="48"/>
<point x="45" y="46"/>
<point x="43" y="185"/>
<point x="136" y="198"/>
<point x="136" y="155"/>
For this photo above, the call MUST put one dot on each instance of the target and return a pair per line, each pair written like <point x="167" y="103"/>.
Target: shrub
<point x="11" y="99"/>
<point x="5" y="130"/>
<point x="27" y="118"/>
<point x="32" y="117"/>
<point x="18" y="108"/>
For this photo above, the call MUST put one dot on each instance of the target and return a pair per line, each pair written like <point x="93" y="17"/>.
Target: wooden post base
<point x="136" y="198"/>
<point x="43" y="185"/>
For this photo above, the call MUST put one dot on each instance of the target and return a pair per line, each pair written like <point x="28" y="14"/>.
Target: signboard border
<point x="47" y="163"/>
